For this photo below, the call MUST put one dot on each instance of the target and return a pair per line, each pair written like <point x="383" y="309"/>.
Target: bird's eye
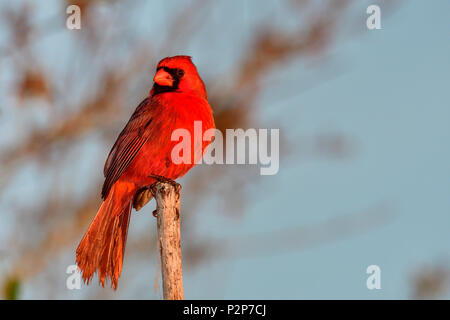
<point x="180" y="73"/>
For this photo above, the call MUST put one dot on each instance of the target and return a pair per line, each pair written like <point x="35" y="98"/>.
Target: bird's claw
<point x="167" y="180"/>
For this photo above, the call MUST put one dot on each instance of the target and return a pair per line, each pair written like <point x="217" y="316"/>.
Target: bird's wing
<point x="127" y="145"/>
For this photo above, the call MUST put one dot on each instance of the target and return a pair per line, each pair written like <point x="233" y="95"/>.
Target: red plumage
<point x="143" y="148"/>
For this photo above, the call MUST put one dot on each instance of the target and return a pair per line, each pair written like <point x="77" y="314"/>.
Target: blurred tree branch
<point x="90" y="94"/>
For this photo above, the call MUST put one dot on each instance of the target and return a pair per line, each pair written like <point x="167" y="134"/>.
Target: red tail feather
<point x="103" y="246"/>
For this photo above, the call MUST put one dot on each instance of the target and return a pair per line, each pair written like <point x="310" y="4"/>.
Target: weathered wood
<point x="167" y="197"/>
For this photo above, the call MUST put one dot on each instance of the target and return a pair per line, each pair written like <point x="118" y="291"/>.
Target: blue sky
<point x="394" y="101"/>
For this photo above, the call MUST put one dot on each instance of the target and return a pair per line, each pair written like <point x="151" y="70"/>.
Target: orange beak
<point x="163" y="78"/>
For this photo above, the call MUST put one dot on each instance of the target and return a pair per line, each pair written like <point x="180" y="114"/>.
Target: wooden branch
<point x="167" y="197"/>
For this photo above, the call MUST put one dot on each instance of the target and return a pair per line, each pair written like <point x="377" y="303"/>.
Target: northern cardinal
<point x="143" y="148"/>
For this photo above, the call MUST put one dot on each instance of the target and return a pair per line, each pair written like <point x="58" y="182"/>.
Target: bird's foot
<point x="142" y="197"/>
<point x="164" y="179"/>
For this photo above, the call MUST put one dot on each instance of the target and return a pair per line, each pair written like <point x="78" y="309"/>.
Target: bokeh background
<point x="364" y="123"/>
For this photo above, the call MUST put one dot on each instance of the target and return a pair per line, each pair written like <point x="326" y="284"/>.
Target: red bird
<point x="143" y="148"/>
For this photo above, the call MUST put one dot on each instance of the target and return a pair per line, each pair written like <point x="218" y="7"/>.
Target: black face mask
<point x="176" y="74"/>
